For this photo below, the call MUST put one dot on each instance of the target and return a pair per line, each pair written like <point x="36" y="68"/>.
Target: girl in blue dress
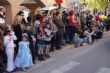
<point x="24" y="58"/>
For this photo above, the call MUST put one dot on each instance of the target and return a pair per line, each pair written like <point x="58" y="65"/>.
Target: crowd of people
<point x="30" y="39"/>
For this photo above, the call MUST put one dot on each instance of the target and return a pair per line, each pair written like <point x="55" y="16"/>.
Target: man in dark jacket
<point x="65" y="19"/>
<point x="59" y="36"/>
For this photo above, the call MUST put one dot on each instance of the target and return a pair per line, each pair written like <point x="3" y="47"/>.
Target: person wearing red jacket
<point x="72" y="26"/>
<point x="98" y="17"/>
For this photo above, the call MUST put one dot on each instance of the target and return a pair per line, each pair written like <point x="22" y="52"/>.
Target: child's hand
<point x="34" y="40"/>
<point x="10" y="39"/>
<point x="32" y="36"/>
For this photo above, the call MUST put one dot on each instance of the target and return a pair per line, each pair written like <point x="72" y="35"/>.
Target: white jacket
<point x="9" y="40"/>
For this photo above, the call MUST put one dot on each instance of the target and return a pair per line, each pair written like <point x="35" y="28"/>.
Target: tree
<point x="96" y="4"/>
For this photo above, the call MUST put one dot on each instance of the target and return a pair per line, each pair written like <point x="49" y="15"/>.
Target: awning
<point x="49" y="8"/>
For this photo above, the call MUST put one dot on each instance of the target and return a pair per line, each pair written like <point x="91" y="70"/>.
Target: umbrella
<point x="49" y="8"/>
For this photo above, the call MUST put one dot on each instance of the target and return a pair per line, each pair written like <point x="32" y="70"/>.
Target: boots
<point x="39" y="57"/>
<point x="42" y="58"/>
<point x="47" y="56"/>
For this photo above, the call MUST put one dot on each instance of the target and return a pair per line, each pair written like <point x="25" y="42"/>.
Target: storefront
<point x="12" y="7"/>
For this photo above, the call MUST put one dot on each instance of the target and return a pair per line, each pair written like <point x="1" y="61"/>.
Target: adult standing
<point x="54" y="30"/>
<point x="59" y="36"/>
<point x="65" y="19"/>
<point x="89" y="20"/>
<point x="83" y="20"/>
<point x="17" y="27"/>
<point x="72" y="26"/>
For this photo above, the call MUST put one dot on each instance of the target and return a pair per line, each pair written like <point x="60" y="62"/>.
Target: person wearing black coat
<point x="61" y="29"/>
<point x="17" y="28"/>
<point x="65" y="19"/>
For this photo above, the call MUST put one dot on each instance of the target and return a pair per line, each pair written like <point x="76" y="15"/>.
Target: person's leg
<point x="78" y="42"/>
<point x="39" y="52"/>
<point x="107" y="28"/>
<point x="39" y="48"/>
<point x="33" y="52"/>
<point x="53" y="43"/>
<point x="90" y="39"/>
<point x="93" y="37"/>
<point x="10" y="56"/>
<point x="46" y="47"/>
<point x="58" y="42"/>
<point x="42" y="52"/>
<point x="63" y="40"/>
<point x="99" y="35"/>
<point x="84" y="40"/>
<point x="66" y="34"/>
<point x="47" y="51"/>
<point x="1" y="62"/>
<point x="72" y="34"/>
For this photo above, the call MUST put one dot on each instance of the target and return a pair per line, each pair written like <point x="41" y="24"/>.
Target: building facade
<point x="12" y="6"/>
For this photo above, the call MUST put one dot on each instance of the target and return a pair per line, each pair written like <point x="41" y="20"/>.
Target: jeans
<point x="40" y="49"/>
<point x="78" y="42"/>
<point x="58" y="41"/>
<point x="72" y="32"/>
